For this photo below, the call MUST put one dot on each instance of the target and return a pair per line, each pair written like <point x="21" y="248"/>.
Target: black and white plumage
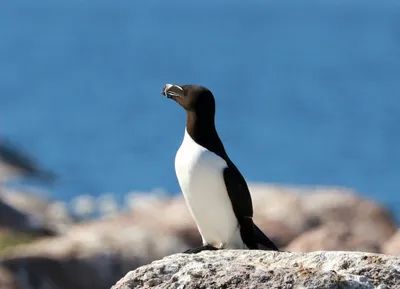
<point x="215" y="191"/>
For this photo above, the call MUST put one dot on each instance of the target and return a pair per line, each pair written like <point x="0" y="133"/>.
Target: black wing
<point x="241" y="203"/>
<point x="240" y="197"/>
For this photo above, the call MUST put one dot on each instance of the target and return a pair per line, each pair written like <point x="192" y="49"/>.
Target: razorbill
<point x="214" y="190"/>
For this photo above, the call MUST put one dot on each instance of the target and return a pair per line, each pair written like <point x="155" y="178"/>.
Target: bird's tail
<point x="263" y="240"/>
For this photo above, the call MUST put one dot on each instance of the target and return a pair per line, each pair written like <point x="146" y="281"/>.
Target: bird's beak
<point x="172" y="90"/>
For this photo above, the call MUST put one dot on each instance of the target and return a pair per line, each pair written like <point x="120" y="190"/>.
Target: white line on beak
<point x="173" y="90"/>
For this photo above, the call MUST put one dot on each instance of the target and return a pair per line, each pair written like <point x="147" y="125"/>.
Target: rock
<point x="47" y="273"/>
<point x="27" y="200"/>
<point x="277" y="231"/>
<point x="265" y="269"/>
<point x="15" y="220"/>
<point x="392" y="246"/>
<point x="327" y="205"/>
<point x="29" y="211"/>
<point x="332" y="237"/>
<point x="97" y="254"/>
<point x="279" y="204"/>
<point x="300" y="209"/>
<point x="7" y="280"/>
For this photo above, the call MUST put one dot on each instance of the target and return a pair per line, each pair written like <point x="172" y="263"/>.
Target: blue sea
<point x="307" y="92"/>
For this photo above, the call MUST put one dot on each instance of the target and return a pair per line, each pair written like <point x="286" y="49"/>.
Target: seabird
<point x="214" y="189"/>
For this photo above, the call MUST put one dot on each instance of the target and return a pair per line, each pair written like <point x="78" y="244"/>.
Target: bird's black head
<point x="199" y="105"/>
<point x="193" y="98"/>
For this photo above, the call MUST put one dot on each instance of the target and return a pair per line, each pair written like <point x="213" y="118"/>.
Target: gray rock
<point x="264" y="269"/>
<point x="90" y="255"/>
<point x="333" y="237"/>
<point x="392" y="246"/>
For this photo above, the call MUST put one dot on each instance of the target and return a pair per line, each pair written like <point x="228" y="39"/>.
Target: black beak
<point x="172" y="91"/>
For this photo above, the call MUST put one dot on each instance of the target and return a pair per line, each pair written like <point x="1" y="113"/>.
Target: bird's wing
<point x="239" y="195"/>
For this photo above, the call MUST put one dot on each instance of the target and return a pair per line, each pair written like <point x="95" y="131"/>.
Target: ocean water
<point x="306" y="93"/>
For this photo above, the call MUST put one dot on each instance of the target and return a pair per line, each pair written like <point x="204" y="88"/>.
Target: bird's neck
<point x="202" y="130"/>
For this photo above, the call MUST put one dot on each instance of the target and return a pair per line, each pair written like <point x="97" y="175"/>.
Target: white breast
<point x="200" y="176"/>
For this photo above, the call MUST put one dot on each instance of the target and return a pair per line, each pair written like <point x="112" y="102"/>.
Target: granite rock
<point x="265" y="269"/>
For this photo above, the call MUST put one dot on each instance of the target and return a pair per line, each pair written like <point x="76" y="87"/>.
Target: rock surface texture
<point x="263" y="269"/>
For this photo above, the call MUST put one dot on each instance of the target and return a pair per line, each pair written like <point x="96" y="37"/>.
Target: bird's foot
<point x="199" y="249"/>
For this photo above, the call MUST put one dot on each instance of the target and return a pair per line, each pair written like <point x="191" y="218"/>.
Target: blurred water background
<point x="307" y="93"/>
